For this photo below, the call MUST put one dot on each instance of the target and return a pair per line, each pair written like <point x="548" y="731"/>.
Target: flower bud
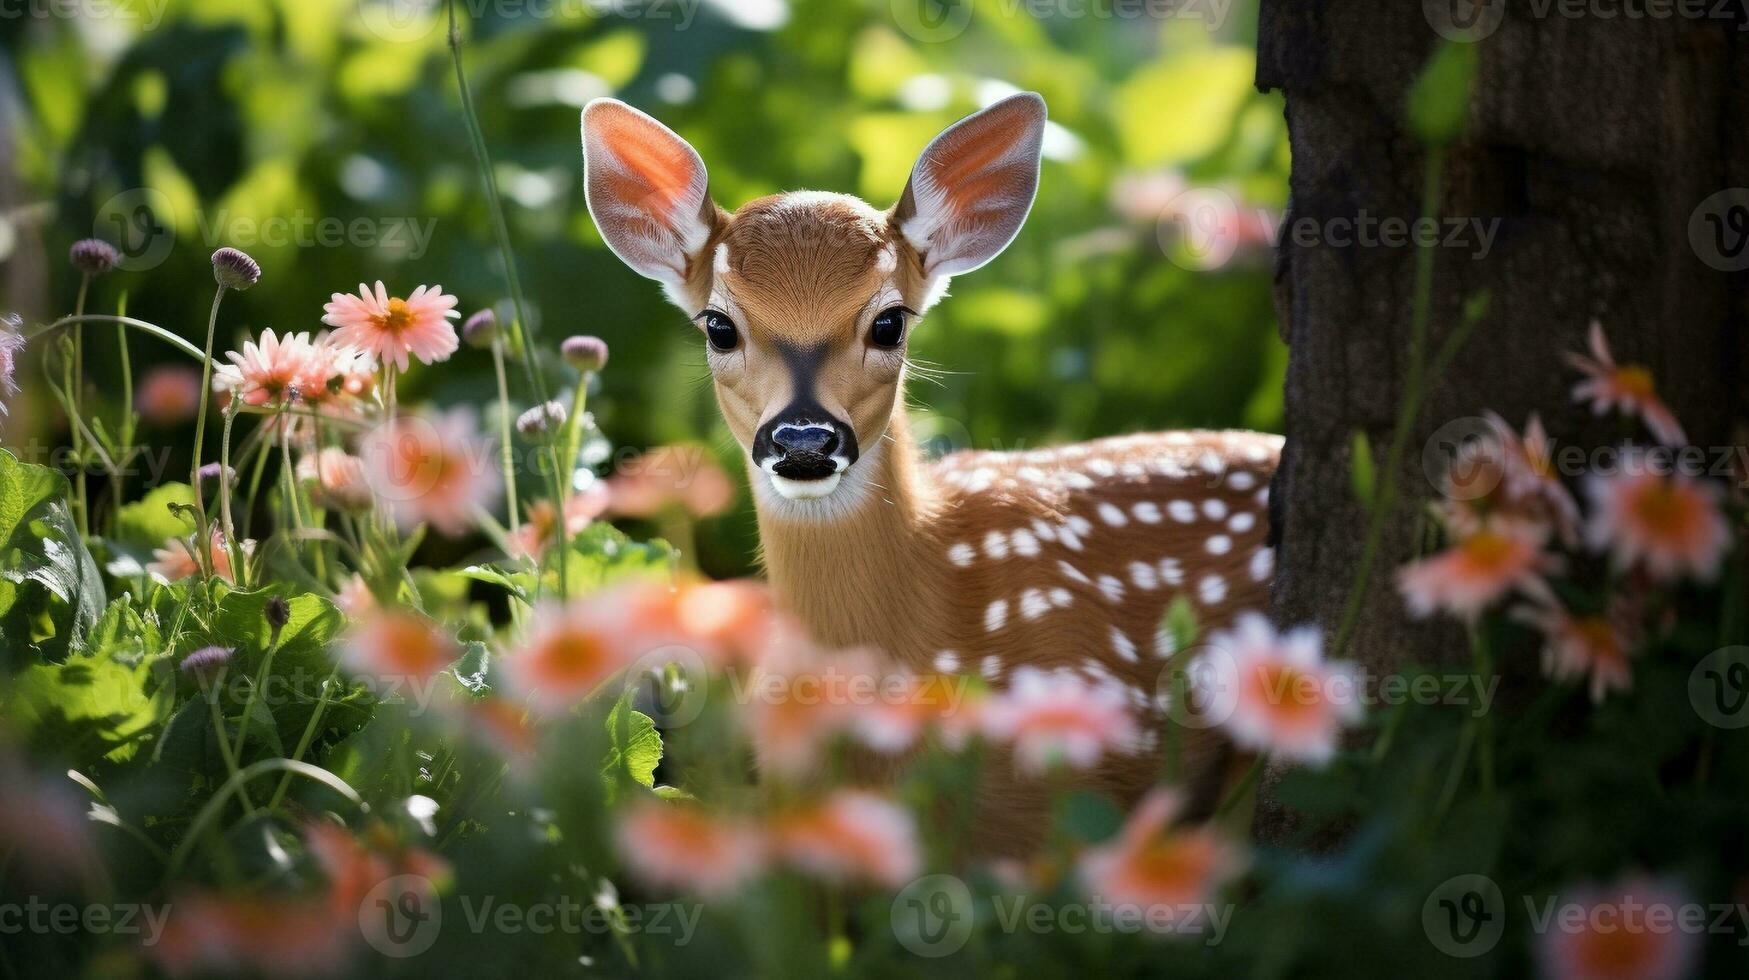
<point x="93" y="256"/>
<point x="207" y="662"/>
<point x="585" y="353"/>
<point x="541" y="419"/>
<point x="234" y="269"/>
<point x="278" y="612"/>
<point x="481" y="329"/>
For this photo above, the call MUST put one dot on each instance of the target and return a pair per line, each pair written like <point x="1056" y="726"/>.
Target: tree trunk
<point x="1591" y="142"/>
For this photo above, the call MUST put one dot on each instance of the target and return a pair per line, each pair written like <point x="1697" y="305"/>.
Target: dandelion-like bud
<point x="585" y="353"/>
<point x="207" y="662"/>
<point x="93" y="256"/>
<point x="278" y="612"/>
<point x="541" y="419"/>
<point x="481" y="329"/>
<point x="210" y="472"/>
<point x="234" y="269"/>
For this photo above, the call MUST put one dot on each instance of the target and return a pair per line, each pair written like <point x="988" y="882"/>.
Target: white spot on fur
<point x="1044" y="531"/>
<point x="1080" y="525"/>
<point x="1241" y="480"/>
<point x="1219" y="544"/>
<point x="947" y="662"/>
<point x="1242" y="521"/>
<point x="1111" y="514"/>
<point x="962" y="554"/>
<point x="1077" y="481"/>
<point x="1214" y="508"/>
<point x="1211" y="589"/>
<point x="1262" y="564"/>
<point x="1182" y="511"/>
<point x="1102" y="468"/>
<point x="1170" y="572"/>
<point x="1070" y="571"/>
<point x="1122" y="645"/>
<point x="1033" y="604"/>
<point x="1060" y="597"/>
<point x="1024" y="544"/>
<point x="1147" y="512"/>
<point x="996" y="545"/>
<point x="996" y="616"/>
<point x="1112" y="587"/>
<point x="990" y="667"/>
<point x="1142" y="574"/>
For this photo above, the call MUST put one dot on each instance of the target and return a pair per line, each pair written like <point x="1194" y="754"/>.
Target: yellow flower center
<point x="1635" y="380"/>
<point x="1661" y="509"/>
<point x="1488" y="550"/>
<point x="1598" y="637"/>
<point x="398" y="318"/>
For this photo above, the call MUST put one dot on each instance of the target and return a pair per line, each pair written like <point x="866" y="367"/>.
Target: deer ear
<point x="647" y="191"/>
<point x="973" y="185"/>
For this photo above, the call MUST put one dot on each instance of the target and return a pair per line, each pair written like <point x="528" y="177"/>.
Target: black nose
<point x="819" y="439"/>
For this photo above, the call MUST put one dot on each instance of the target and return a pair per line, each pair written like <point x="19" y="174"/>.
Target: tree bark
<point x="1590" y="144"/>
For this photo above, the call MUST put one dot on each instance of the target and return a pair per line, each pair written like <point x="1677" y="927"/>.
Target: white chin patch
<point x="805" y="489"/>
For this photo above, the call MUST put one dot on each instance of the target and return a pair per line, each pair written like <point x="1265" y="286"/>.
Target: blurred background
<point x="324" y="137"/>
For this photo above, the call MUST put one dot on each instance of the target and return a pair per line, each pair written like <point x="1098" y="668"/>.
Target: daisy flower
<point x="273" y="370"/>
<point x="850" y="836"/>
<point x="336" y="479"/>
<point x="1529" y="470"/>
<point x="1597" y="644"/>
<point x="177" y="559"/>
<point x="1055" y="717"/>
<point x="1498" y="556"/>
<point x="542" y="518"/>
<point x="1150" y="866"/>
<point x="680" y="846"/>
<point x="434" y="470"/>
<point x="355" y="598"/>
<point x="798" y="699"/>
<point x="1628" y="929"/>
<point x="389" y="328"/>
<point x="11" y="342"/>
<point x="1630" y="387"/>
<point x="1669" y="524"/>
<point x="393" y="645"/>
<point x="568" y="654"/>
<point x="1274" y="692"/>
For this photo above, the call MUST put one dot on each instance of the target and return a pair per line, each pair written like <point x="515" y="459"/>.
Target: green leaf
<point x="50" y="588"/>
<point x="1362" y="476"/>
<point x="87" y="708"/>
<point x="1439" y="101"/>
<point x="151" y="521"/>
<point x="638" y="748"/>
<point x="1179" y="623"/>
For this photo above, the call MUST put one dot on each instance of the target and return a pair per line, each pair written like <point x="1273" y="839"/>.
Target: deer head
<point x="807" y="300"/>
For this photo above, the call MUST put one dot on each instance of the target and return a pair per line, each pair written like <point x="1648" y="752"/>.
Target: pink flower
<point x="355" y="598"/>
<point x="1274" y="692"/>
<point x="276" y="370"/>
<point x="178" y="559"/>
<point x="389" y="328"/>
<point x="1532" y="487"/>
<point x="850" y="836"/>
<point x="1630" y="930"/>
<point x="680" y="846"/>
<point x="1157" y="869"/>
<point x="433" y="470"/>
<point x="1670" y="525"/>
<point x="1630" y="387"/>
<point x="539" y="529"/>
<point x="168" y="394"/>
<point x="668" y="476"/>
<point x="395" y="645"/>
<point x="1057" y="718"/>
<point x="1574" y="646"/>
<point x="1498" y="556"/>
<point x="569" y="652"/>
<point x="799" y="698"/>
<point x="11" y="342"/>
<point x="336" y="479"/>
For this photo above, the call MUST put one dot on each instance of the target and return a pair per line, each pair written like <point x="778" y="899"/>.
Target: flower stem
<point x="75" y="383"/>
<point x="212" y="702"/>
<point x="509" y="454"/>
<point x="206" y="388"/>
<point x="254" y="691"/>
<point x="234" y="547"/>
<point x="1242" y="789"/>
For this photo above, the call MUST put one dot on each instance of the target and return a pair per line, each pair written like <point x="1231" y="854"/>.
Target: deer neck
<point x="870" y="572"/>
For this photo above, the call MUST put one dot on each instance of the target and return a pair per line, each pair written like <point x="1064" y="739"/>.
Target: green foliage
<point x="50" y="589"/>
<point x="1439" y="102"/>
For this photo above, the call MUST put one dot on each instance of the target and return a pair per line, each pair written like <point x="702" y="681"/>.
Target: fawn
<point x="981" y="562"/>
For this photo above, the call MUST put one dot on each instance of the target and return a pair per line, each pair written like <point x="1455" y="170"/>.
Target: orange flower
<point x="1056" y="718"/>
<point x="537" y="531"/>
<point x="355" y="598"/>
<point x="1626" y="931"/>
<point x="799" y="698"/>
<point x="568" y="654"/>
<point x="1274" y="692"/>
<point x="395" y="645"/>
<point x="388" y="328"/>
<point x="1669" y="525"/>
<point x="1496" y="557"/>
<point x="850" y="836"/>
<point x="1157" y="869"/>
<point x="1599" y="645"/>
<point x="1630" y="387"/>
<point x="680" y="846"/>
<point x="177" y="559"/>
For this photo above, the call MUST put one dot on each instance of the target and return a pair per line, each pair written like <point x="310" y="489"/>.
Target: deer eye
<point x="888" y="327"/>
<point x="720" y="331"/>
